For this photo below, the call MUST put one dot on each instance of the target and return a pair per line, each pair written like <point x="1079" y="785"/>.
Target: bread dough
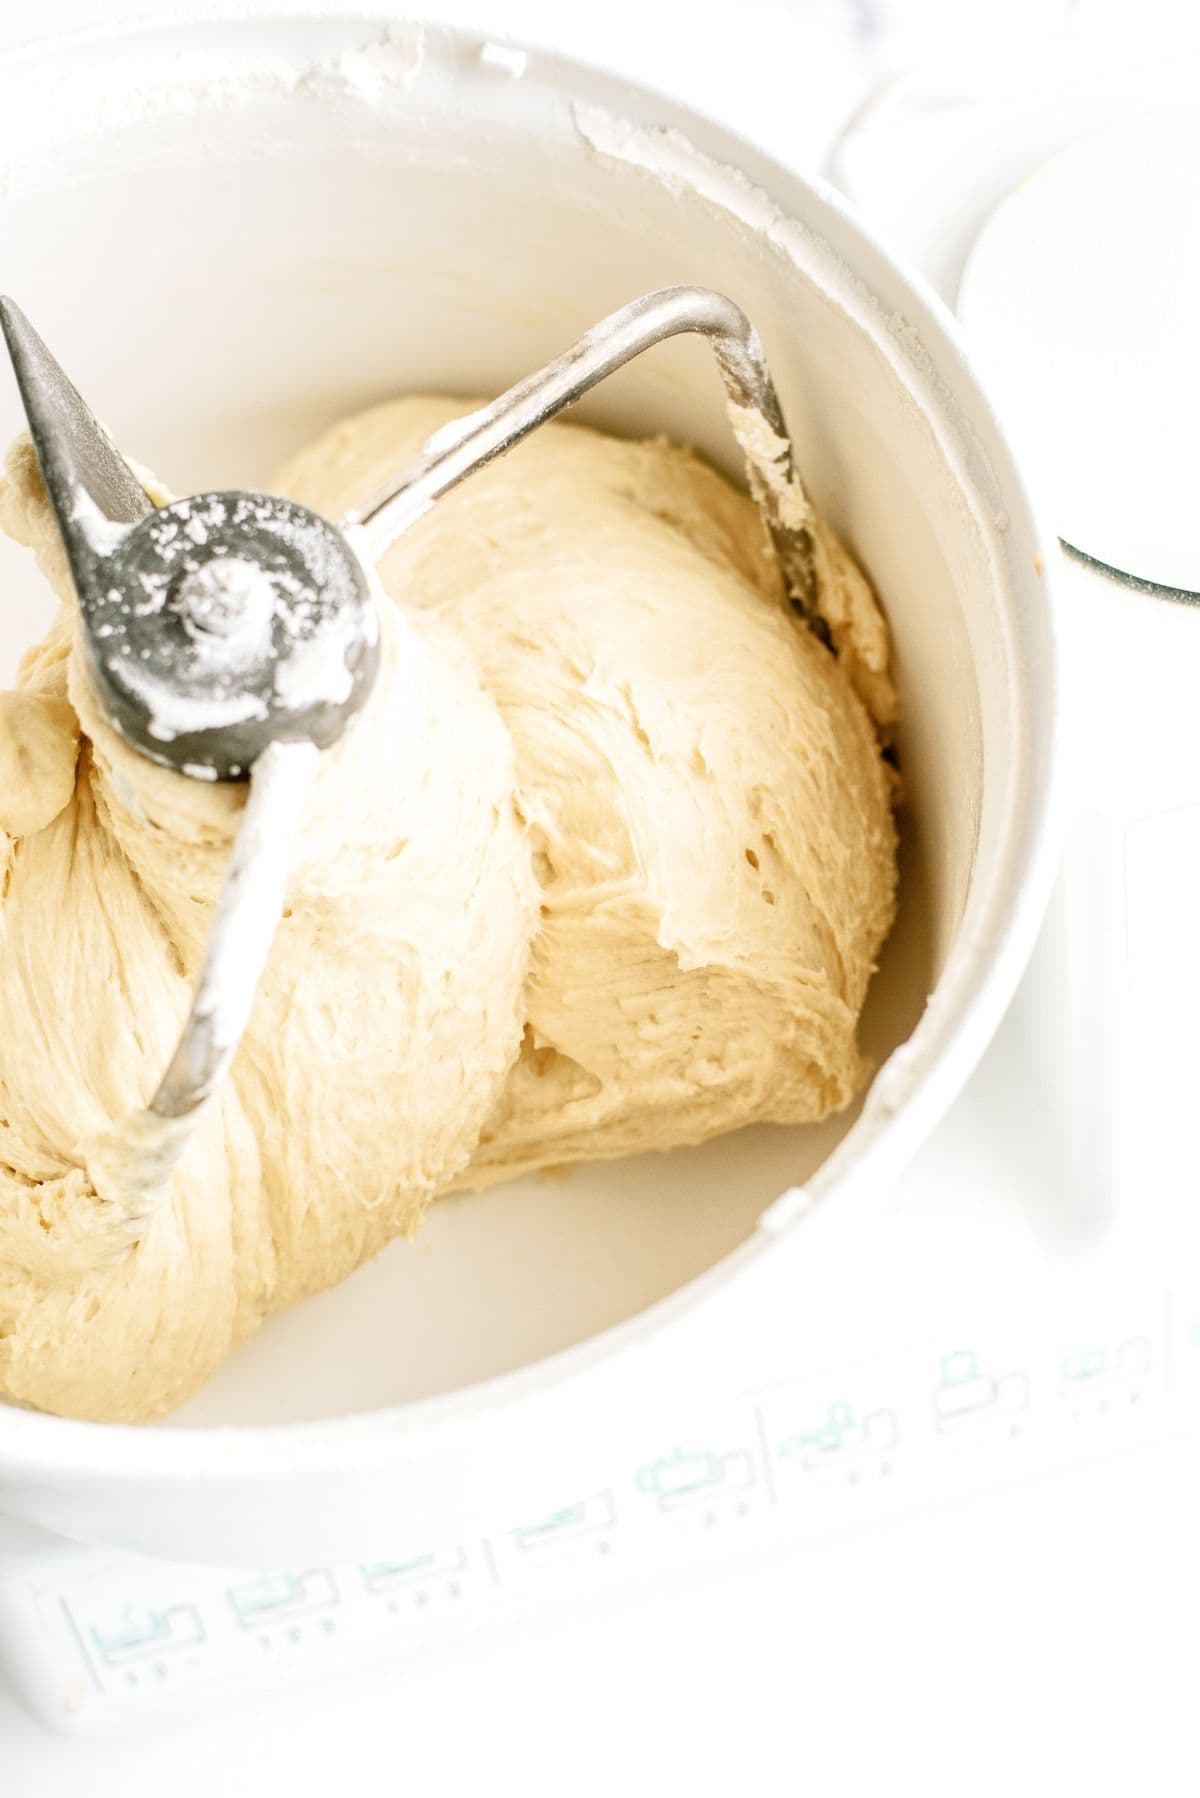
<point x="604" y="866"/>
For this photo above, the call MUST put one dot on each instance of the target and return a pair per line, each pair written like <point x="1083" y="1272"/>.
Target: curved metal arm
<point x="470" y="442"/>
<point x="242" y="930"/>
<point x="98" y="505"/>
<point x="131" y="1164"/>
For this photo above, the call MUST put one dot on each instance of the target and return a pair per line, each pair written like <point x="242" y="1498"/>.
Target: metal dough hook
<point x="232" y="635"/>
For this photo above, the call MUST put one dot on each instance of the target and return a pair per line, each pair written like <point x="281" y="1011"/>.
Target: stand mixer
<point x="662" y="1359"/>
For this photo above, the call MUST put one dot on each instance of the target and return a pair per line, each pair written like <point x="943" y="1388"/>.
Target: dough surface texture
<point x="604" y="866"/>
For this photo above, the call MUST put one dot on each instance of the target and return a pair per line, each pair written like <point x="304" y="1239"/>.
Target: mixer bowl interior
<point x="363" y="221"/>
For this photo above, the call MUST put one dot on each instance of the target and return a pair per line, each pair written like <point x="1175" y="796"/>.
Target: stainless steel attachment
<point x="233" y="636"/>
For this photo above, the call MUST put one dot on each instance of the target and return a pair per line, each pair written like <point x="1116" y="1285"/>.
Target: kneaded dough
<point x="604" y="866"/>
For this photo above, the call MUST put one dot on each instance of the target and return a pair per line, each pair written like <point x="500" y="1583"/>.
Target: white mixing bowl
<point x="231" y="234"/>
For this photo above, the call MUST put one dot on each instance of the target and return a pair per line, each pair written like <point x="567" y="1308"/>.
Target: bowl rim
<point x="885" y="1136"/>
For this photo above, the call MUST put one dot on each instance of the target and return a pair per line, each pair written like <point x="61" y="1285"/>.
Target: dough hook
<point x="232" y="635"/>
